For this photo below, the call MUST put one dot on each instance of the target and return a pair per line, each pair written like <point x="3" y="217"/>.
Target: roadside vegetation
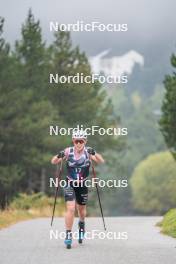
<point x="168" y="224"/>
<point x="25" y="207"/>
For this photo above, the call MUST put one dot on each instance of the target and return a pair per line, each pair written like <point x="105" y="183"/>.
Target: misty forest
<point x="29" y="105"/>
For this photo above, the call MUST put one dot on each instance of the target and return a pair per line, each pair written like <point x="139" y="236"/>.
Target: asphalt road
<point x="29" y="242"/>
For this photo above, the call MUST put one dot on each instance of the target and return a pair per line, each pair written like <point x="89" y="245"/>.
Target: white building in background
<point x="117" y="65"/>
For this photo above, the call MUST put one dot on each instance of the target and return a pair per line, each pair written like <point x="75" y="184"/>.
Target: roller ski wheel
<point x="68" y="246"/>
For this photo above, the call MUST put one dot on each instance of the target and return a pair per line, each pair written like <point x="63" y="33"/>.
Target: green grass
<point x="25" y="207"/>
<point x="168" y="224"/>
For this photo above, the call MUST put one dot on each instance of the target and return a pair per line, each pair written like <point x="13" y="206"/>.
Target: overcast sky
<point x="150" y="22"/>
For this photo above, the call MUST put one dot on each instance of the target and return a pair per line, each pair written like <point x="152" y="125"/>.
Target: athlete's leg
<point x="69" y="215"/>
<point x="81" y="194"/>
<point x="81" y="224"/>
<point x="81" y="212"/>
<point x="70" y="212"/>
<point x="69" y="218"/>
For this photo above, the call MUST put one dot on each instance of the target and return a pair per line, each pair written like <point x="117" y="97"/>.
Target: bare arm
<point x="57" y="158"/>
<point x="97" y="158"/>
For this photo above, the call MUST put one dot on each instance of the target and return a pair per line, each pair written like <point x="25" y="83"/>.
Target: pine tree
<point x="37" y="112"/>
<point x="10" y="172"/>
<point x="168" y="119"/>
<point x="25" y="113"/>
<point x="31" y="54"/>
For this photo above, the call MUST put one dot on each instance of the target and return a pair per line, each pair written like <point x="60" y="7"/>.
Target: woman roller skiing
<point x="78" y="159"/>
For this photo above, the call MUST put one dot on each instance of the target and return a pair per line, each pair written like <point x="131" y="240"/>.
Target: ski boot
<point x="68" y="239"/>
<point x="81" y="226"/>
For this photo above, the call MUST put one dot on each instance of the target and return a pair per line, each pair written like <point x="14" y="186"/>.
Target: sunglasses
<point x="79" y="141"/>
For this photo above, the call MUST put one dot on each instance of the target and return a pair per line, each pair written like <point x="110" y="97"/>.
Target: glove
<point x="61" y="154"/>
<point x="91" y="151"/>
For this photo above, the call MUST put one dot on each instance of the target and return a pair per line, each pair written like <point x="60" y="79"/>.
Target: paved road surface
<point x="29" y="243"/>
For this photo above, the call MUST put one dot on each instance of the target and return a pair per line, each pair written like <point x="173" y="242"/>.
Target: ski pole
<point x="58" y="176"/>
<point x="98" y="194"/>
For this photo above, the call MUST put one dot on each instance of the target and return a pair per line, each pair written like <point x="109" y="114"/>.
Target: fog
<point x="150" y="23"/>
